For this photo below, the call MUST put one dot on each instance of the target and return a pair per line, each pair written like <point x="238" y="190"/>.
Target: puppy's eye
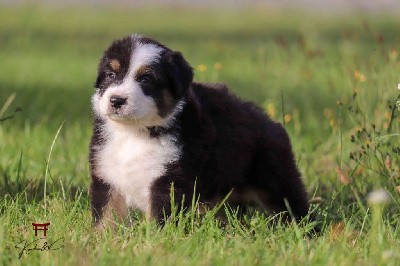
<point x="110" y="75"/>
<point x="145" y="79"/>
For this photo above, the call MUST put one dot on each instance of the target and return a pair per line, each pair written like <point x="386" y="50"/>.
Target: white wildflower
<point x="380" y="196"/>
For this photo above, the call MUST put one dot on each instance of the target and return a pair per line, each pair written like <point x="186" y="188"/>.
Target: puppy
<point x="154" y="127"/>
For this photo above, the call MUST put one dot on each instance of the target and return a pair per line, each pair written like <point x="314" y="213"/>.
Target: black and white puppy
<point x="153" y="127"/>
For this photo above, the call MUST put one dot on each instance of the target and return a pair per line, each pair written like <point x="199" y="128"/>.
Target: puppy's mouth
<point x="120" y="112"/>
<point x="124" y="116"/>
<point x="118" y="116"/>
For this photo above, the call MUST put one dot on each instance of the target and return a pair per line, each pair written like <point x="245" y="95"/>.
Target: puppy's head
<point x="140" y="81"/>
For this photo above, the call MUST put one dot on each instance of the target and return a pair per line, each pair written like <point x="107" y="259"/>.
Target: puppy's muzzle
<point x="117" y="102"/>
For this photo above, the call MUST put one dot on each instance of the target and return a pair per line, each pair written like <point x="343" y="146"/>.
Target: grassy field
<point x="330" y="78"/>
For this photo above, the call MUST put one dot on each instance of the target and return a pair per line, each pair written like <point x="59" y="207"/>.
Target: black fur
<point x="120" y="50"/>
<point x="230" y="144"/>
<point x="227" y="144"/>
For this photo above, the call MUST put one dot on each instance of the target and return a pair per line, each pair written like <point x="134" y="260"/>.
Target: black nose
<point x="117" y="102"/>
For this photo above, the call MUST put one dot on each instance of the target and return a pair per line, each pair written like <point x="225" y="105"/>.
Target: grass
<point x="331" y="78"/>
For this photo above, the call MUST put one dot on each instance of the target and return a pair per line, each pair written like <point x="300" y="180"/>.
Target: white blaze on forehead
<point x="143" y="54"/>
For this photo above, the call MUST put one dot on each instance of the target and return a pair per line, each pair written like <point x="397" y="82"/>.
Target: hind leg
<point x="279" y="183"/>
<point x="284" y="195"/>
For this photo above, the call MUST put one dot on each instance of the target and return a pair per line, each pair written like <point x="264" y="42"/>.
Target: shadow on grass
<point x="51" y="106"/>
<point x="32" y="190"/>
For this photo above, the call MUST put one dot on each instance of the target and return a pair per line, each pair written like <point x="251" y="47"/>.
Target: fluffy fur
<point x="154" y="126"/>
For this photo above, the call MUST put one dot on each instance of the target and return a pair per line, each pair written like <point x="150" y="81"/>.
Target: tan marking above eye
<point x="115" y="65"/>
<point x="143" y="70"/>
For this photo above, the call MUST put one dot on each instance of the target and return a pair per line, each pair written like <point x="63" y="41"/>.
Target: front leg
<point x="160" y="196"/>
<point x="108" y="206"/>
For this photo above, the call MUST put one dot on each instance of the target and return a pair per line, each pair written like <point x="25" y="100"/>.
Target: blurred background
<point x="302" y="61"/>
<point x="327" y="70"/>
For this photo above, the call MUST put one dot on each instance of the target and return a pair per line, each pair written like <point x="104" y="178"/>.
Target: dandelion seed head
<point x="380" y="196"/>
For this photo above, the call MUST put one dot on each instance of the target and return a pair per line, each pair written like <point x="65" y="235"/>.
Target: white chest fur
<point x="130" y="162"/>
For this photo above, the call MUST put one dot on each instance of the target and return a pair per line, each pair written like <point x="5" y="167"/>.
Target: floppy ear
<point x="181" y="74"/>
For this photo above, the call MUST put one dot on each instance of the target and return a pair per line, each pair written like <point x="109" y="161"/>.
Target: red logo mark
<point x="41" y="227"/>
